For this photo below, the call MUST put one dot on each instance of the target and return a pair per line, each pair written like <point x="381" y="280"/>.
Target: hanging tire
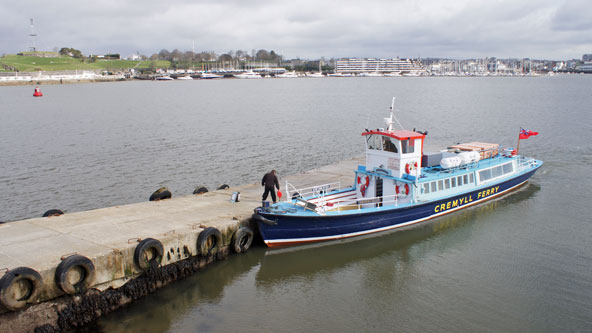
<point x="223" y="187"/>
<point x="242" y="240"/>
<point x="148" y="254"/>
<point x="19" y="286"/>
<point x="75" y="274"/>
<point x="160" y="194"/>
<point x="296" y="195"/>
<point x="200" y="190"/>
<point x="53" y="212"/>
<point x="209" y="241"/>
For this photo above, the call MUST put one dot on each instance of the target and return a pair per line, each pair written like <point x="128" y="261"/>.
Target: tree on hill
<point x="71" y="52"/>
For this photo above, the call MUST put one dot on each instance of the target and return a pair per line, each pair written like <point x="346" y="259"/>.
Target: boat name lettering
<point x="465" y="200"/>
<point x="487" y="192"/>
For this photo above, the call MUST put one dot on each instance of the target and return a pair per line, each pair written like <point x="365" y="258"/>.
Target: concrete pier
<point x="110" y="239"/>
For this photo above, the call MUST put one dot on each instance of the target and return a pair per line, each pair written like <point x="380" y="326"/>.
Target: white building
<point x="365" y="65"/>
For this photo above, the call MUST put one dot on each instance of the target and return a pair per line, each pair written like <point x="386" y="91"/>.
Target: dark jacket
<point x="269" y="180"/>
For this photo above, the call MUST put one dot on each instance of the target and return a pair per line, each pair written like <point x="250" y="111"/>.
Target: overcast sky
<point x="309" y="29"/>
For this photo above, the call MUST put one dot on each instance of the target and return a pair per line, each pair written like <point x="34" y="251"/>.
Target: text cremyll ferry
<point x="400" y="185"/>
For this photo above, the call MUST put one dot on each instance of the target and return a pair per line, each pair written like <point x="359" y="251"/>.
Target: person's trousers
<point x="269" y="190"/>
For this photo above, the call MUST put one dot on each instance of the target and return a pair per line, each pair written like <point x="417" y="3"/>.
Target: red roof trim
<point x="399" y="134"/>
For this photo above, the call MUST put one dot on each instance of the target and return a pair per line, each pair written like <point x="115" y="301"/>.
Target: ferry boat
<point x="400" y="185"/>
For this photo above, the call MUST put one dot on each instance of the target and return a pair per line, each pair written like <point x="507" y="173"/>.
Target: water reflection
<point x="289" y="263"/>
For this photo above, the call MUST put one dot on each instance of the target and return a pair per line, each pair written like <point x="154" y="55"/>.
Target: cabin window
<point x="466" y="179"/>
<point x="440" y="185"/>
<point x="484" y="175"/>
<point x="407" y="146"/>
<point x="453" y="181"/>
<point x="426" y="188"/>
<point x="434" y="189"/>
<point x="497" y="171"/>
<point x="471" y="179"/>
<point x="459" y="180"/>
<point x="389" y="144"/>
<point x="447" y="183"/>
<point x="374" y="142"/>
<point x="508" y="167"/>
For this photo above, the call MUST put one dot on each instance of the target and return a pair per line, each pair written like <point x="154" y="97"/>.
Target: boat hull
<point x="291" y="230"/>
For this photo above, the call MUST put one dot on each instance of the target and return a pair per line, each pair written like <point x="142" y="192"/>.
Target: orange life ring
<point x="410" y="167"/>
<point x="397" y="189"/>
<point x="406" y="189"/>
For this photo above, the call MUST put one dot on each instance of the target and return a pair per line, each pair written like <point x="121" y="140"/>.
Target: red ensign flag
<point x="525" y="134"/>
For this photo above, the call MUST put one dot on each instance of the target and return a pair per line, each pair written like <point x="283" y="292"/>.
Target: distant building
<point x="364" y="65"/>
<point x="114" y="56"/>
<point x="587" y="58"/>
<point x="134" y="57"/>
<point x="41" y="54"/>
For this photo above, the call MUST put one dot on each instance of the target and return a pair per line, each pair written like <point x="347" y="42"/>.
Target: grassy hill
<point x="34" y="64"/>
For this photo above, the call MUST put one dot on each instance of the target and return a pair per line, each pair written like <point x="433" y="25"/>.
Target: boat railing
<point x="525" y="163"/>
<point x="314" y="191"/>
<point x="357" y="203"/>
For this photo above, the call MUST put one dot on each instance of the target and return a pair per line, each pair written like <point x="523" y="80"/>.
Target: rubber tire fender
<point x="200" y="190"/>
<point x="146" y="245"/>
<point x="242" y="239"/>
<point x="61" y="274"/>
<point x="160" y="194"/>
<point x="13" y="276"/>
<point x="203" y="245"/>
<point x="53" y="212"/>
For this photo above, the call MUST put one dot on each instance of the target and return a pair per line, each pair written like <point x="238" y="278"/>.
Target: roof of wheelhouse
<point x="397" y="134"/>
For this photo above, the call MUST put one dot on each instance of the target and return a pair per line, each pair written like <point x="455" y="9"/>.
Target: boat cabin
<point x="393" y="164"/>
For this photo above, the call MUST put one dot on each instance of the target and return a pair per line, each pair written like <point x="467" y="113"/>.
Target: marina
<point x="519" y="261"/>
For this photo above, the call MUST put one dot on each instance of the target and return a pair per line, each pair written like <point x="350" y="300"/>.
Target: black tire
<point x="296" y="195"/>
<point x="242" y="239"/>
<point x="53" y="212"/>
<point x="148" y="254"/>
<point x="161" y="194"/>
<point x="13" y="282"/>
<point x="223" y="187"/>
<point x="78" y="267"/>
<point x="200" y="190"/>
<point x="209" y="241"/>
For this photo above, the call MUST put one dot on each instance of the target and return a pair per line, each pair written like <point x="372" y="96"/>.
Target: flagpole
<point x="518" y="145"/>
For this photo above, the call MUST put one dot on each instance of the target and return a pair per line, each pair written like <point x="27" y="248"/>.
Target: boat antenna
<point x="389" y="120"/>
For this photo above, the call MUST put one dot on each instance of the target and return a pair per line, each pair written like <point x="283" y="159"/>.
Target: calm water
<point x="519" y="263"/>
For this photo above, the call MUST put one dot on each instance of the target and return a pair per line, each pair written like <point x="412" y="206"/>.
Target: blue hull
<point x="291" y="230"/>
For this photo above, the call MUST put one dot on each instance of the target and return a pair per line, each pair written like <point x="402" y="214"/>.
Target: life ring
<point x="364" y="186"/>
<point x="75" y="274"/>
<point x="410" y="167"/>
<point x="148" y="254"/>
<point x="53" y="212"/>
<point x="209" y="241"/>
<point x="160" y="194"/>
<point x="397" y="189"/>
<point x="242" y="240"/>
<point x="18" y="286"/>
<point x="406" y="189"/>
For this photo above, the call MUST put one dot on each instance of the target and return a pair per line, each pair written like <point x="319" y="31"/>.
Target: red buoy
<point x="37" y="92"/>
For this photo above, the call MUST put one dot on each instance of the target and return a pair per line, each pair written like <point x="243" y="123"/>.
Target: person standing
<point x="269" y="181"/>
